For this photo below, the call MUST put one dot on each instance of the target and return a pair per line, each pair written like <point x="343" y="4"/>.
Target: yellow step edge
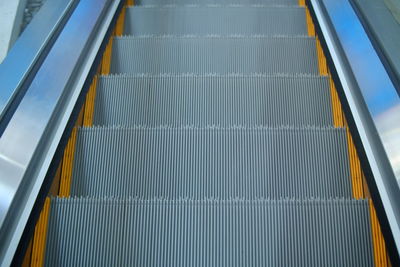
<point x="367" y="194"/>
<point x="130" y="2"/>
<point x="67" y="164"/>
<point x="119" y="27"/>
<point x="310" y="24"/>
<point x="39" y="238"/>
<point x="380" y="255"/>
<point x="355" y="168"/>
<point x="335" y="104"/>
<point x="302" y="2"/>
<point x="322" y="64"/>
<point x="89" y="103"/>
<point x="106" y="60"/>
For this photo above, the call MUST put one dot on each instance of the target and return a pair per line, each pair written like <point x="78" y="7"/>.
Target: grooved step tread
<point x="221" y="55"/>
<point x="215" y="147"/>
<point x="244" y="20"/>
<point x="211" y="162"/>
<point x="177" y="100"/>
<point x="131" y="232"/>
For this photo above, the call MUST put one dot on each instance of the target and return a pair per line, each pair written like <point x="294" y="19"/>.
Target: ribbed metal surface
<point x="215" y="20"/>
<point x="177" y="100"/>
<point x="213" y="176"/>
<point x="211" y="162"/>
<point x="106" y="232"/>
<point x="217" y="2"/>
<point x="155" y="55"/>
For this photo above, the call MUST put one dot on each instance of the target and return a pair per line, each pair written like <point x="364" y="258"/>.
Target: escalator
<point x="213" y="135"/>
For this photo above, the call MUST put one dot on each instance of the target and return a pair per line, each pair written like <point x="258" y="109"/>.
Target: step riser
<point x="214" y="55"/>
<point x="157" y="233"/>
<point x="223" y="164"/>
<point x="215" y="20"/>
<point x="204" y="101"/>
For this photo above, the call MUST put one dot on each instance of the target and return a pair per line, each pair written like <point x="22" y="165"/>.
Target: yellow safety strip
<point x="106" y="60"/>
<point x="322" y="63"/>
<point x="130" y="2"/>
<point x="119" y="28"/>
<point x="302" y="2"/>
<point x="336" y="106"/>
<point x="89" y="103"/>
<point x="367" y="194"/>
<point x="67" y="164"/>
<point x="310" y="24"/>
<point x="39" y="238"/>
<point x="355" y="168"/>
<point x="380" y="255"/>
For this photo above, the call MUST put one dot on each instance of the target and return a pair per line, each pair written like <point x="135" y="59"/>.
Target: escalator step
<point x="173" y="100"/>
<point x="155" y="55"/>
<point x="211" y="162"/>
<point x="217" y="2"/>
<point x="215" y="20"/>
<point x="131" y="232"/>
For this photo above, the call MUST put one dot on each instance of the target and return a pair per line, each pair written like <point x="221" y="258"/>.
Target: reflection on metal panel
<point x="32" y="8"/>
<point x="29" y="142"/>
<point x="390" y="134"/>
<point x="29" y="48"/>
<point x="11" y="14"/>
<point x="384" y="30"/>
<point x="394" y="7"/>
<point x="376" y="87"/>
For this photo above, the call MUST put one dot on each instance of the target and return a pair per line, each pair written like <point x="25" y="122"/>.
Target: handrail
<point x="374" y="104"/>
<point x="22" y="61"/>
<point x="33" y="133"/>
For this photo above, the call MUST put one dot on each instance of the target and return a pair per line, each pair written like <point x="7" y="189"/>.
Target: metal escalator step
<point x="211" y="162"/>
<point x="155" y="55"/>
<point x="131" y="232"/>
<point x="216" y="2"/>
<point x="215" y="20"/>
<point x="176" y="100"/>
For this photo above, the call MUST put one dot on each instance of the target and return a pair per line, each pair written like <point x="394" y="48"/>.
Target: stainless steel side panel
<point x="28" y="48"/>
<point x="33" y="133"/>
